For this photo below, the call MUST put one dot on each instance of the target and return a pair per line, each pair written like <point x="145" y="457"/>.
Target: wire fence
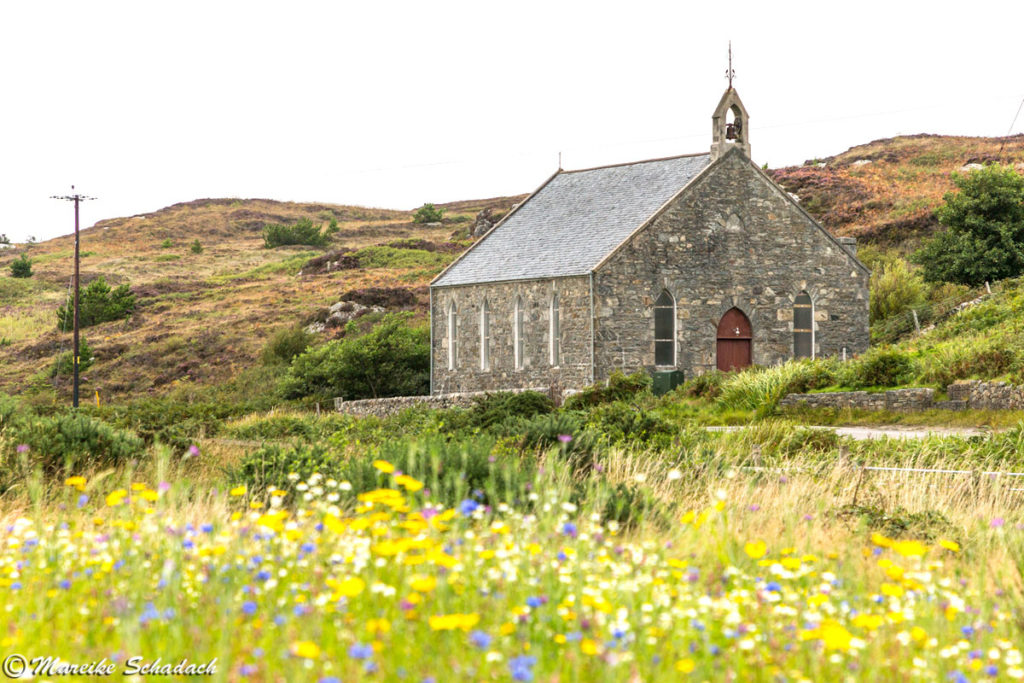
<point x="927" y="314"/>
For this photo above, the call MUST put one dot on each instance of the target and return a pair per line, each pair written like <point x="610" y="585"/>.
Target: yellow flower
<point x="949" y="545"/>
<point x="880" y="540"/>
<point x="77" y="482"/>
<point x="892" y="590"/>
<point x="910" y="548"/>
<point x="868" y="622"/>
<point x="685" y="665"/>
<point x="348" y="587"/>
<point x="138" y="486"/>
<point x="918" y="634"/>
<point x="832" y="634"/>
<point x="306" y="649"/>
<point x="375" y="626"/>
<point x="588" y="646"/>
<point x="507" y="628"/>
<point x="150" y="495"/>
<point x="755" y="550"/>
<point x="273" y="520"/>
<point x="333" y="523"/>
<point x="409" y="483"/>
<point x="450" y="622"/>
<point x="423" y="584"/>
<point x="688" y="517"/>
<point x="238" y="490"/>
<point x="384" y="466"/>
<point x="115" y="498"/>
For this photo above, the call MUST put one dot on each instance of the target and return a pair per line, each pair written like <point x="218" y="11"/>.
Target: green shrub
<point x="926" y="525"/>
<point x="622" y="422"/>
<point x="97" y="304"/>
<point x="895" y="289"/>
<point x="73" y="443"/>
<point x="494" y="408"/>
<point x="391" y="257"/>
<point x="286" y="344"/>
<point x="428" y="213"/>
<point x="166" y="244"/>
<point x="21" y="266"/>
<point x="708" y="385"/>
<point x="968" y="358"/>
<point x="619" y="387"/>
<point x="880" y="367"/>
<point x="985" y="234"/>
<point x="302" y="232"/>
<point x="762" y="388"/>
<point x="391" y="360"/>
<point x="64" y="364"/>
<point x="196" y="247"/>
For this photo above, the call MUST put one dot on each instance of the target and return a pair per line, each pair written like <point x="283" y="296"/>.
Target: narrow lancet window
<point x="453" y="335"/>
<point x="555" y="332"/>
<point x="665" y="330"/>
<point x="803" y="326"/>
<point x="485" y="336"/>
<point x="517" y="334"/>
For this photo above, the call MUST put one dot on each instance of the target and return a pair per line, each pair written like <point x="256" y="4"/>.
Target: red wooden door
<point x="734" y="338"/>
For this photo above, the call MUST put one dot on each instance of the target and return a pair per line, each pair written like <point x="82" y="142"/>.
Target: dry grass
<point x="219" y="306"/>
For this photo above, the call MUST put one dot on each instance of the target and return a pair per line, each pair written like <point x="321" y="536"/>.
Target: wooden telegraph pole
<point x="77" y="199"/>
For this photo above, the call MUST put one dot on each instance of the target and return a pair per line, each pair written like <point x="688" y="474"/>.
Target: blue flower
<point x="65" y="584"/>
<point x="569" y="529"/>
<point x="307" y="547"/>
<point x="533" y="601"/>
<point x="247" y="669"/>
<point x="329" y="679"/>
<point x="991" y="670"/>
<point x="207" y="528"/>
<point x="82" y="500"/>
<point x="468" y="506"/>
<point x="263" y="575"/>
<point x="360" y="651"/>
<point x="521" y="667"/>
<point x="249" y="607"/>
<point x="773" y="586"/>
<point x="481" y="639"/>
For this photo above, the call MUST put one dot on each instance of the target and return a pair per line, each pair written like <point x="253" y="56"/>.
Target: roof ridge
<point x="635" y="163"/>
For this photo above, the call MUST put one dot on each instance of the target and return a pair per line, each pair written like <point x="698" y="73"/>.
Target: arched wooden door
<point x="734" y="337"/>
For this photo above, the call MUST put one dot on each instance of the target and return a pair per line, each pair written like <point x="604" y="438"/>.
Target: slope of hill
<point x="885" y="192"/>
<point x="202" y="319"/>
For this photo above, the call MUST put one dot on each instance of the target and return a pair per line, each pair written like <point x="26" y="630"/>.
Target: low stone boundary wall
<point x="969" y="394"/>
<point x="384" y="407"/>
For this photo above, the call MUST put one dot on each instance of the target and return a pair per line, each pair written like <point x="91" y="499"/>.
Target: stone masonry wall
<point x="970" y="394"/>
<point x="385" y="407"/>
<point x="733" y="239"/>
<point x="573" y="370"/>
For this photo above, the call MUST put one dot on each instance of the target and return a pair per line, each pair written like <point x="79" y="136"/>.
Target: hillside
<point x="885" y="192"/>
<point x="202" y="319"/>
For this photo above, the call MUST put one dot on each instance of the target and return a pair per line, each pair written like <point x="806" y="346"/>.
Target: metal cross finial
<point x="730" y="73"/>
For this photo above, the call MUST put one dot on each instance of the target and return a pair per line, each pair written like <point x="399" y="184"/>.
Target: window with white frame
<point x="453" y="336"/>
<point x="485" y="336"/>
<point x="665" y="330"/>
<point x="803" y="326"/>
<point x="517" y="333"/>
<point x="555" y="335"/>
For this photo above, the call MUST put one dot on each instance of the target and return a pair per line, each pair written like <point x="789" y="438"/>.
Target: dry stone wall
<point x="385" y="407"/>
<point x="970" y="394"/>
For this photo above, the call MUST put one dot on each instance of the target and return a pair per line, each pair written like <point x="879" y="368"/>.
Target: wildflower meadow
<point x="747" y="576"/>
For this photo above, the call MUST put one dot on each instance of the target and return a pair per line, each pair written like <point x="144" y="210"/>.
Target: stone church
<point x="688" y="263"/>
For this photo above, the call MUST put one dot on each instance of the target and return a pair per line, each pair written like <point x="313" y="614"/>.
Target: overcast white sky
<point x="392" y="104"/>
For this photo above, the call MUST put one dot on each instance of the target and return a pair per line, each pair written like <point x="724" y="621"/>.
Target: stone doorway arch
<point x="734" y="341"/>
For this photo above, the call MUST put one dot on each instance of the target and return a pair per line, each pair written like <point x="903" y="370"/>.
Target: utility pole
<point x="77" y="199"/>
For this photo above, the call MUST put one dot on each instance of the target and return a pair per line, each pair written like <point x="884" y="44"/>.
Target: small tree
<point x="97" y="304"/>
<point x="428" y="213"/>
<point x="895" y="289"/>
<point x="21" y="267"/>
<point x="985" y="236"/>
<point x="64" y="365"/>
<point x="391" y="360"/>
<point x="4" y="239"/>
<point x="196" y="247"/>
<point x="302" y="232"/>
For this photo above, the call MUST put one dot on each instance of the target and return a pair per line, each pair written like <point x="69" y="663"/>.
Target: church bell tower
<point x="730" y="124"/>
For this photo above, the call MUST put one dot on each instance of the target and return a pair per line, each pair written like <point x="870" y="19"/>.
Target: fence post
<point x="987" y="288"/>
<point x="917" y="323"/>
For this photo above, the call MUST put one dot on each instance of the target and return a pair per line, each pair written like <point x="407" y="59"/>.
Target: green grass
<point x="390" y="257"/>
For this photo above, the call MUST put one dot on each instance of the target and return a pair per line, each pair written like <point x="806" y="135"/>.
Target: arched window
<point x="803" y="326"/>
<point x="665" y="330"/>
<point x="517" y="333"/>
<point x="453" y="336"/>
<point x="485" y="336"/>
<point x="555" y="340"/>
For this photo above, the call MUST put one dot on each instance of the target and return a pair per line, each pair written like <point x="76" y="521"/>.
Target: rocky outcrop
<point x="483" y="223"/>
<point x="384" y="407"/>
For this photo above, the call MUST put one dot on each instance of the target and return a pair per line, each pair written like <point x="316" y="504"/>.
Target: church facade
<point x="687" y="263"/>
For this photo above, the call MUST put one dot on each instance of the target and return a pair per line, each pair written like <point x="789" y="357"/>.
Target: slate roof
<point x="573" y="221"/>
